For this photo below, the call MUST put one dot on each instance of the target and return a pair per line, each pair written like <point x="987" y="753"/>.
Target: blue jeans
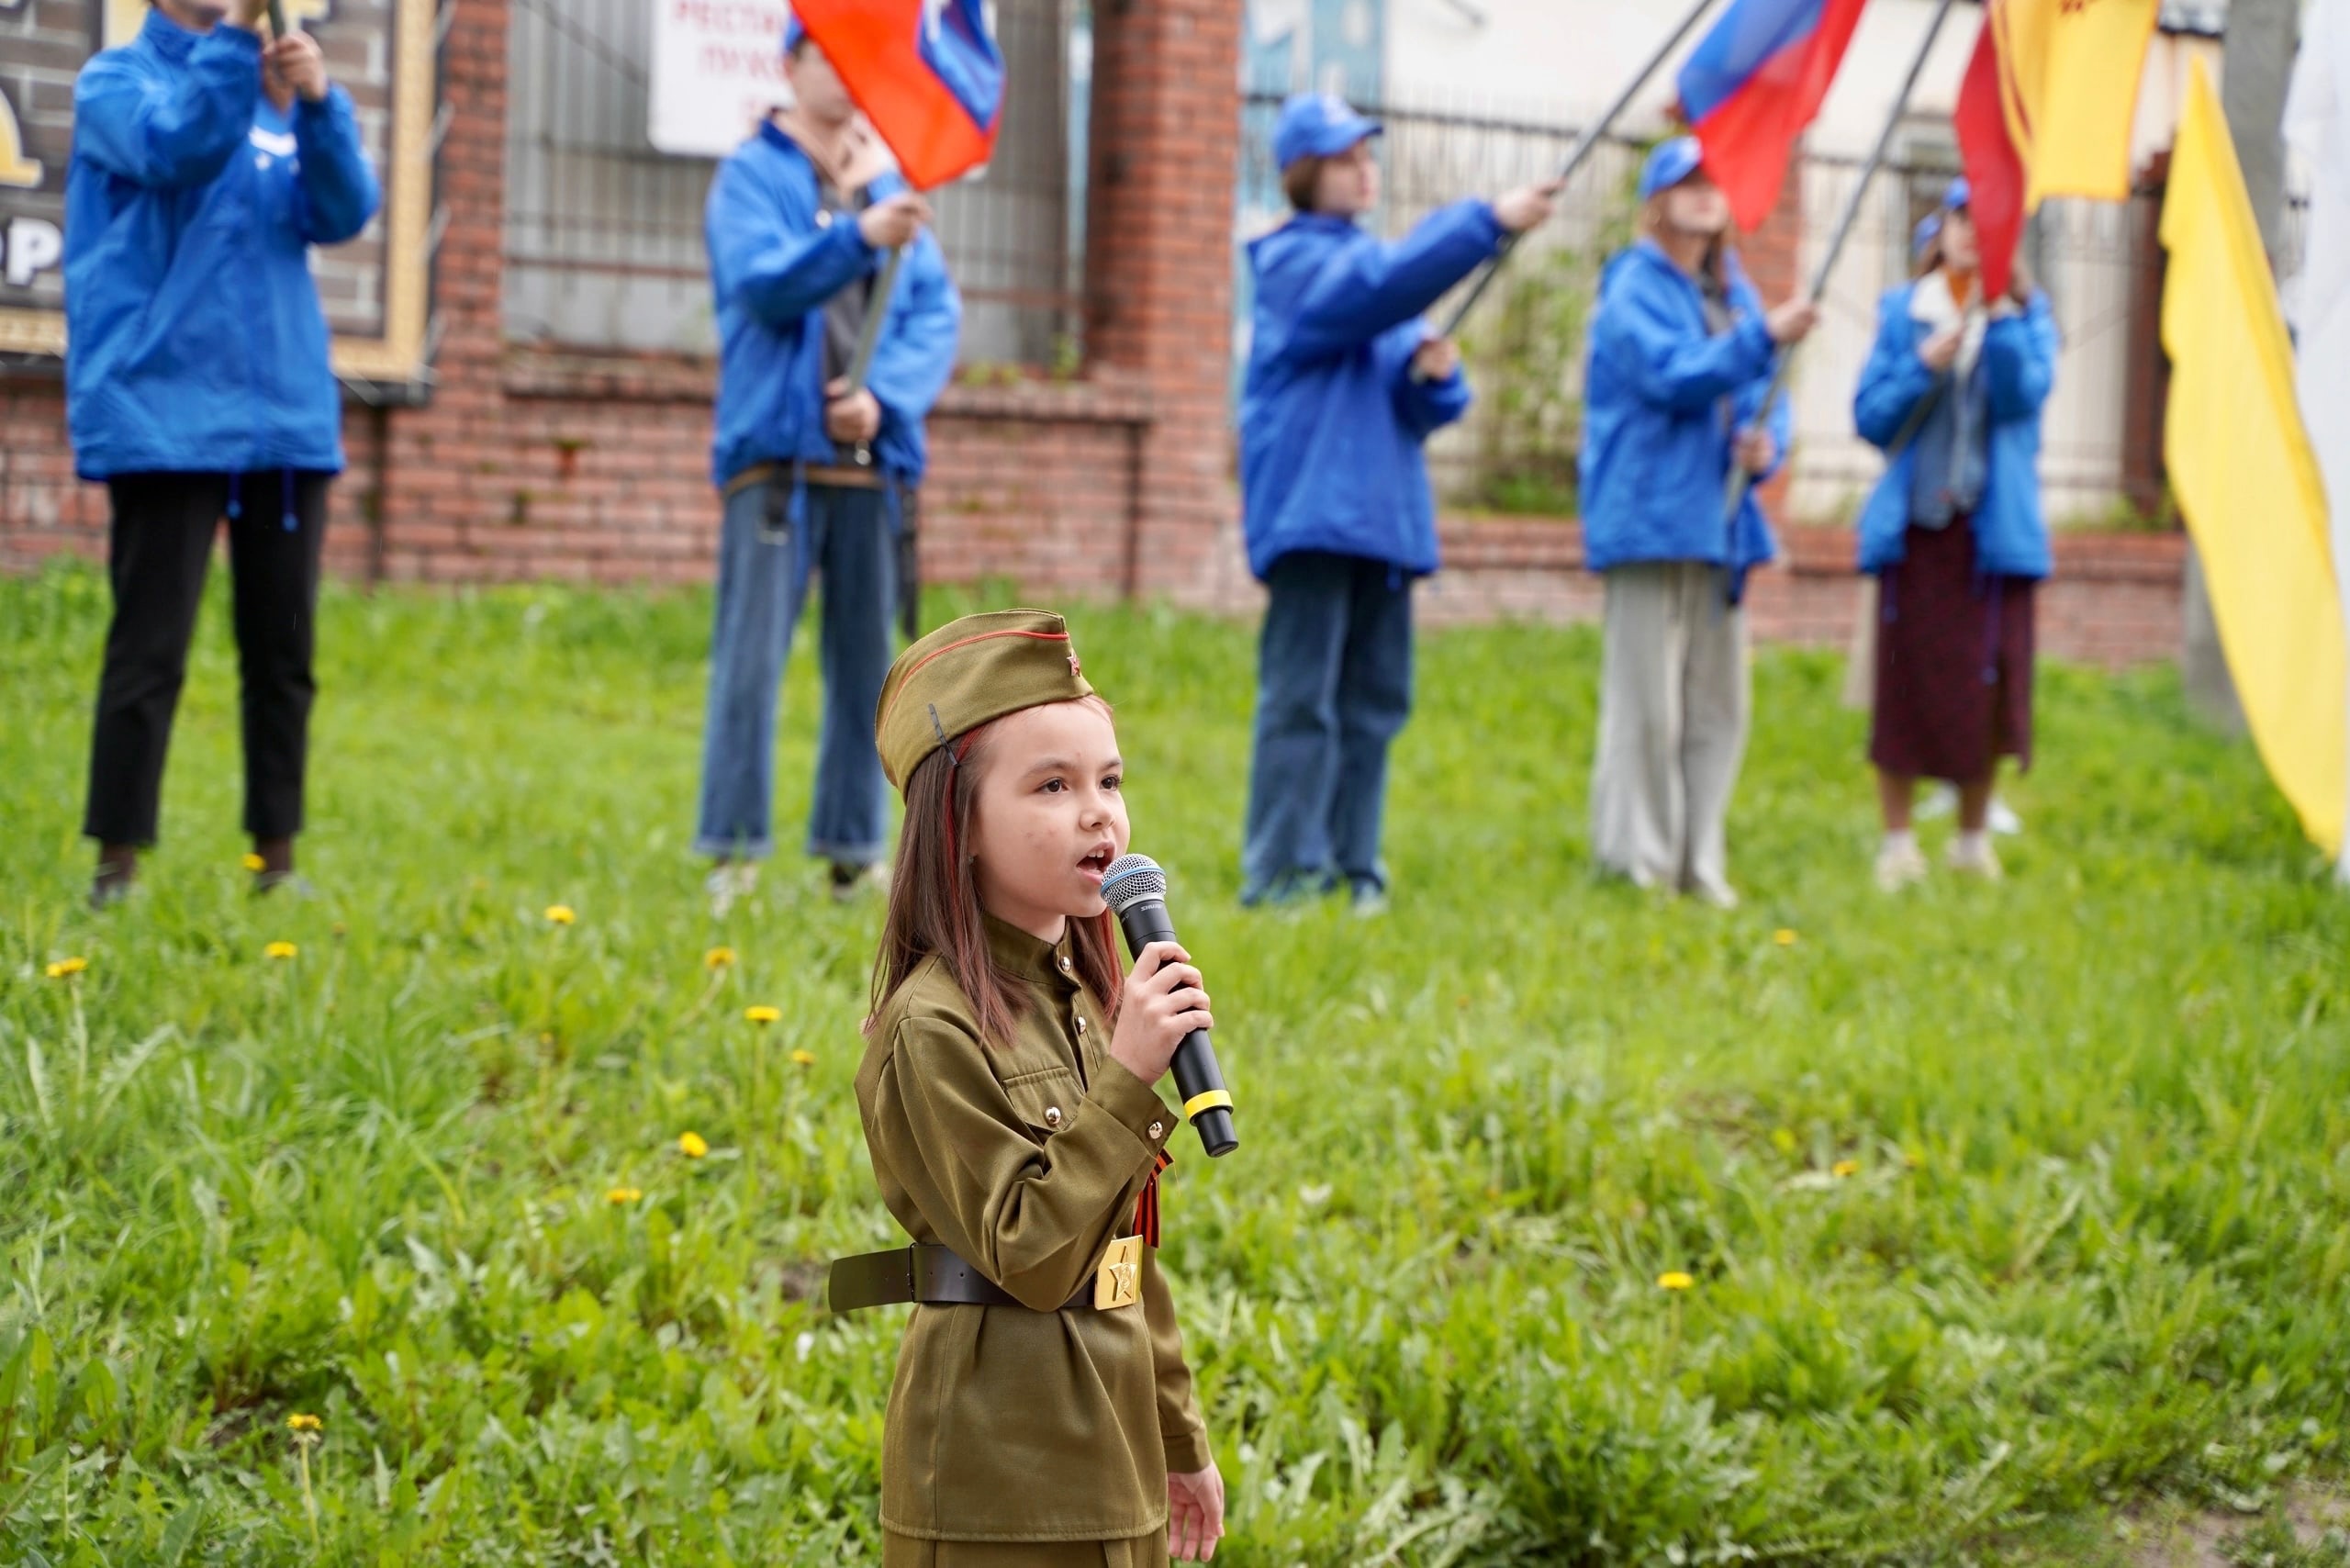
<point x="1333" y="687"/>
<point x="849" y="537"/>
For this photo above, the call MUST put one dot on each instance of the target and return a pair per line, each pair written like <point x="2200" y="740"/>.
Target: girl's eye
<point x="1055" y="786"/>
<point x="1113" y="782"/>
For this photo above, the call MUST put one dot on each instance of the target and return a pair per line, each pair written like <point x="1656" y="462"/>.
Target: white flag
<point x="2317" y="127"/>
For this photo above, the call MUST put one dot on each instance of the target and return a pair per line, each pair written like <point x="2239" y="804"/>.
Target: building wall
<point x="532" y="463"/>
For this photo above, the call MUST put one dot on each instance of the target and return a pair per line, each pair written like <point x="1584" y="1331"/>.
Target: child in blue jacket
<point x="1682" y="352"/>
<point x="1344" y="382"/>
<point x="205" y="167"/>
<point x="799" y="223"/>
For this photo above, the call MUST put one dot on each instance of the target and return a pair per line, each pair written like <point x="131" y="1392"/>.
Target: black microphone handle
<point x="1196" y="1072"/>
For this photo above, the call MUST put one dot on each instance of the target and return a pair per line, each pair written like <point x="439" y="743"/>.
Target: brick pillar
<point x="1165" y="134"/>
<point x="435" y="456"/>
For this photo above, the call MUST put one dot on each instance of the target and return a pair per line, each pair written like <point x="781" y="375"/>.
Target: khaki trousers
<point x="1674" y="704"/>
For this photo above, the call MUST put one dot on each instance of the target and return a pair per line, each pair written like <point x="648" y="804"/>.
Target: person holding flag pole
<point x="1681" y="350"/>
<point x="1953" y="533"/>
<point x="1345" y="384"/>
<point x="837" y="325"/>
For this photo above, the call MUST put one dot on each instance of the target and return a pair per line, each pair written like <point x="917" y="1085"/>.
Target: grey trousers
<point x="1674" y="703"/>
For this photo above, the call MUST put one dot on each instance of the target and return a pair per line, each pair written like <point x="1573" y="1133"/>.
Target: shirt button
<point x="1066" y="966"/>
<point x="1052" y="1115"/>
<point x="1157" y="1128"/>
<point x="1081" y="1023"/>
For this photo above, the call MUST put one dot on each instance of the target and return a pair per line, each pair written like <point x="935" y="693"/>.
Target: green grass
<point x="2090" y="1259"/>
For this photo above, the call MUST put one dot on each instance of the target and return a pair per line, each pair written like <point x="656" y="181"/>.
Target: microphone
<point x="1135" y="889"/>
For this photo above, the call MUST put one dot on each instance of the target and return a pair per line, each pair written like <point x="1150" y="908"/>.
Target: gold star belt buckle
<point x="1118" y="1282"/>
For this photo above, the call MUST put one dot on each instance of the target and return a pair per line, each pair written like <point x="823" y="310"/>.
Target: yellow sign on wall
<point x="375" y="289"/>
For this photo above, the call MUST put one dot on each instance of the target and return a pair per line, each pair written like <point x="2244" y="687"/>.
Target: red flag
<point x="1753" y="85"/>
<point x="932" y="85"/>
<point x="1995" y="175"/>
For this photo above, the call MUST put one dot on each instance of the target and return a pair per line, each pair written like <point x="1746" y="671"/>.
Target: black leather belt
<point x="930" y="1274"/>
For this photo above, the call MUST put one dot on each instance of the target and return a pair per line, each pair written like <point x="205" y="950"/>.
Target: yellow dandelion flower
<point x="1845" y="1168"/>
<point x="719" y="957"/>
<point x="254" y="862"/>
<point x="66" y="969"/>
<point x="562" y="915"/>
<point x="803" y="1058"/>
<point x="692" y="1145"/>
<point x="762" y="1014"/>
<point x="301" y="1423"/>
<point x="280" y="951"/>
<point x="1785" y="936"/>
<point x="1673" y="1279"/>
<point x="620" y="1195"/>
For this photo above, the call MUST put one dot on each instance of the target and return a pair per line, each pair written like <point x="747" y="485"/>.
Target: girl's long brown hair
<point x="934" y="901"/>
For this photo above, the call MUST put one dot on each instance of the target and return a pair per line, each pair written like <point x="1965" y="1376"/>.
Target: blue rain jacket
<point x="1664" y="399"/>
<point x="773" y="263"/>
<point x="2020" y="362"/>
<point x="1331" y="422"/>
<point x="195" y="339"/>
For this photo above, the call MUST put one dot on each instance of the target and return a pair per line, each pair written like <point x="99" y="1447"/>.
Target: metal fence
<point x="603" y="241"/>
<point x="1525" y="345"/>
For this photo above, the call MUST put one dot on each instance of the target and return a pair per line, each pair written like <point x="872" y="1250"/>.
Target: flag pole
<point x="1585" y="146"/>
<point x="868" y="335"/>
<point x="1740" y="480"/>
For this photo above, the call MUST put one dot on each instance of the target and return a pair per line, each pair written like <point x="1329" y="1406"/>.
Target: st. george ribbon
<point x="1135" y="889"/>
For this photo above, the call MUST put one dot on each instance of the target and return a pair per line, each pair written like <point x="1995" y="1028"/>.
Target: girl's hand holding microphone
<point x="1161" y="1002"/>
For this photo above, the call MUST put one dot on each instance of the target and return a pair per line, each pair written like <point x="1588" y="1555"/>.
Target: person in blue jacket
<point x="1344" y="384"/>
<point x="1682" y="354"/>
<point x="205" y="167"/>
<point x="800" y="221"/>
<point x="1953" y="533"/>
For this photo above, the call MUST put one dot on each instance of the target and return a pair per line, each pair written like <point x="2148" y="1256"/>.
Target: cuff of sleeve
<point x="1135" y="1105"/>
<point x="1757" y="336"/>
<point x="1187" y="1453"/>
<point x="1494" y="233"/>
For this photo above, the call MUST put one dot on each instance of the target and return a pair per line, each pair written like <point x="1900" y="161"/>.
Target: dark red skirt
<point x="1954" y="662"/>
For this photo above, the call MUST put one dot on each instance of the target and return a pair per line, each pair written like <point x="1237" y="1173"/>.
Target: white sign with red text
<point x="717" y="70"/>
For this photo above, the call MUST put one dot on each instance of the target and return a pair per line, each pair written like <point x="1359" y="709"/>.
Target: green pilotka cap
<point x="968" y="673"/>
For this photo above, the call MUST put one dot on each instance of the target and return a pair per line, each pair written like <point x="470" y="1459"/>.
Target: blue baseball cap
<point x="1957" y="197"/>
<point x="1317" y="125"/>
<point x="1672" y="162"/>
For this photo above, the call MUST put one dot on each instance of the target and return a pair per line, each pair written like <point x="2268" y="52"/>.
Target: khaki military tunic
<point x="1026" y="1158"/>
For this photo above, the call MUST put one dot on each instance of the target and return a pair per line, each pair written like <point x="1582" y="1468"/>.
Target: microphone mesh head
<point x="1130" y="879"/>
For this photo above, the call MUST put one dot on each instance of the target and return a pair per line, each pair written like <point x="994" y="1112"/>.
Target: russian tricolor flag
<point x="928" y="76"/>
<point x="1754" y="84"/>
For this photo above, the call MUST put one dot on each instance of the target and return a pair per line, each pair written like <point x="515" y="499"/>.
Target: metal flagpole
<point x="1740" y="480"/>
<point x="1583" y="146"/>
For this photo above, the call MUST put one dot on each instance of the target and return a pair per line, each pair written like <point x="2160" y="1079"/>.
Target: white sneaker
<point x="2004" y="822"/>
<point x="1976" y="858"/>
<point x="1900" y="865"/>
<point x="728" y="884"/>
<point x="1721" y="895"/>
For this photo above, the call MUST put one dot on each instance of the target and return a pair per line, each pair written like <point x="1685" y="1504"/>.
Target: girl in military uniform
<point x="1042" y="1414"/>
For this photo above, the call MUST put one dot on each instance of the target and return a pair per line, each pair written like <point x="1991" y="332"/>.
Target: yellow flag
<point x="2241" y="464"/>
<point x="2068" y="77"/>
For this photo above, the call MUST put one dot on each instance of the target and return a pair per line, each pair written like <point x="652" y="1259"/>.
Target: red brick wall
<point x="2114" y="601"/>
